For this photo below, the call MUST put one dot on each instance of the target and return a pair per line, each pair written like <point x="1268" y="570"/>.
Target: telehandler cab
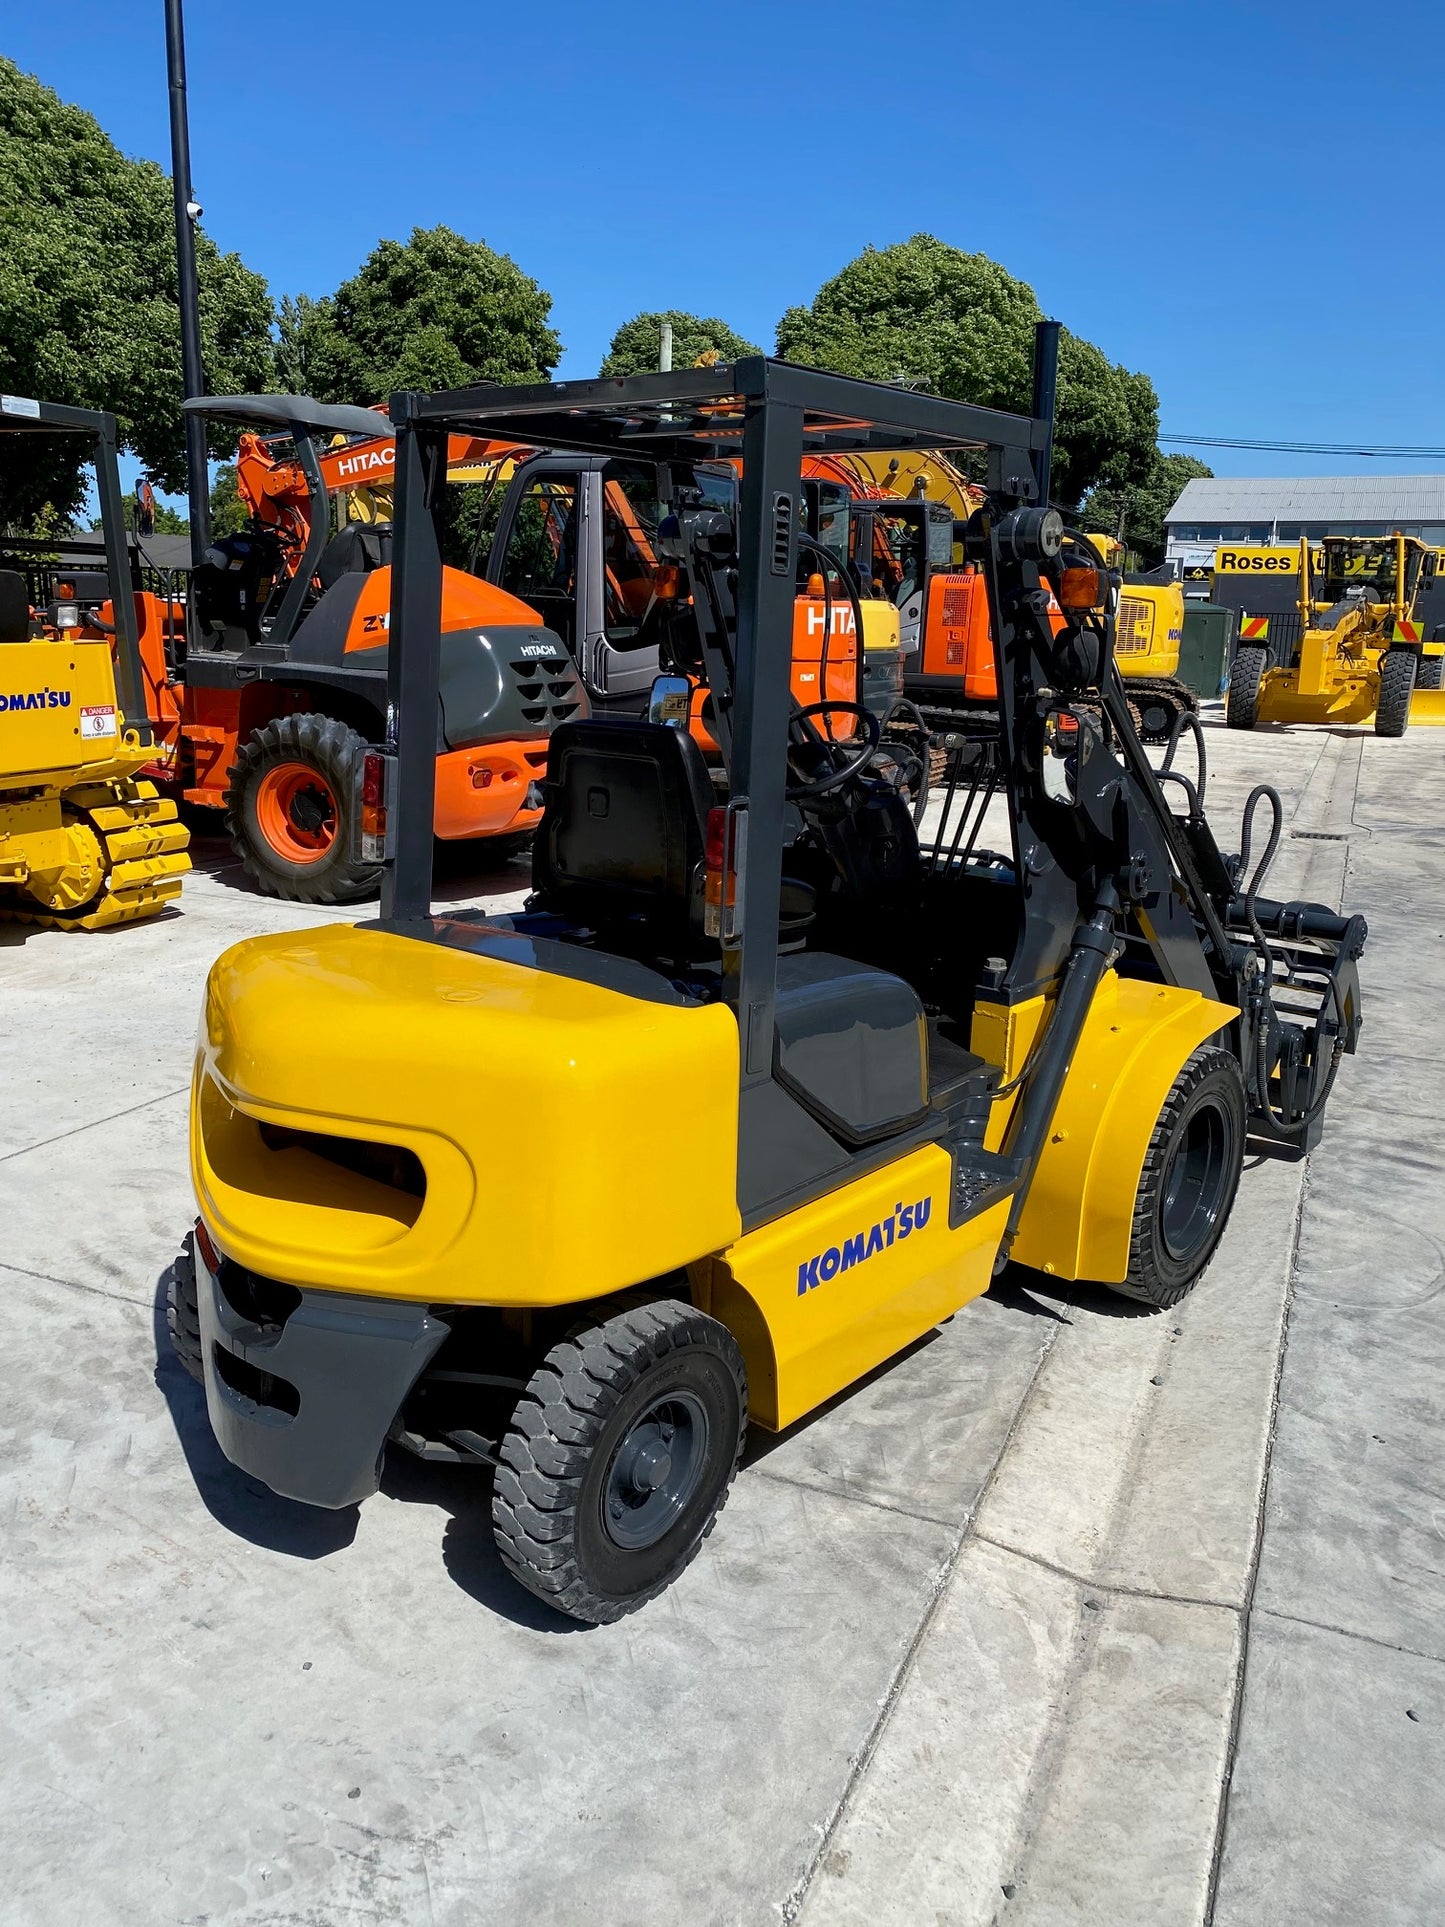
<point x="1045" y="1033"/>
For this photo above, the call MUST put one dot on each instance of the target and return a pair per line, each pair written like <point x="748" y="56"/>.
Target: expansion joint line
<point x="792" y="1905"/>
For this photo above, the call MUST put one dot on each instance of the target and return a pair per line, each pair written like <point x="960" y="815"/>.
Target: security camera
<point x="194" y="210"/>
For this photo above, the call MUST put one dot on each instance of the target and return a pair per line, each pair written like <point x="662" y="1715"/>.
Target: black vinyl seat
<point x="622" y="845"/>
<point x="355" y="549"/>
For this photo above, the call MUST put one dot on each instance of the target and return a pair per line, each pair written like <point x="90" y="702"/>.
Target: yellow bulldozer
<point x="1361" y="650"/>
<point x="85" y="841"/>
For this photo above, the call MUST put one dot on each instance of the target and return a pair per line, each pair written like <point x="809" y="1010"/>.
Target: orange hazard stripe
<point x="1407" y="632"/>
<point x="1253" y="628"/>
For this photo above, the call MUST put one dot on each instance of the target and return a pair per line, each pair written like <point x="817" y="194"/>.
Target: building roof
<point x="1311" y="498"/>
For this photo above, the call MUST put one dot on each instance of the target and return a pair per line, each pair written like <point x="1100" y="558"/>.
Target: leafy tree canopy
<point x="437" y="311"/>
<point x="636" y="345"/>
<point x="1142" y="506"/>
<point x="88" y="299"/>
<point x="960" y="325"/>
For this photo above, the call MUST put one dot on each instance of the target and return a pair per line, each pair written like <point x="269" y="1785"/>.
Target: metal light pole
<point x="187" y="214"/>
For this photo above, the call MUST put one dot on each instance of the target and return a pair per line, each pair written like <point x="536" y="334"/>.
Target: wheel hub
<point x="655" y="1471"/>
<point x="1196" y="1183"/>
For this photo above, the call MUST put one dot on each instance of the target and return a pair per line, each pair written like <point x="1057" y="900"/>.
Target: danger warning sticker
<point x="99" y="721"/>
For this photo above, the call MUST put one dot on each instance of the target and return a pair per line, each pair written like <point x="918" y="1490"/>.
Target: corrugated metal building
<point x="1266" y="508"/>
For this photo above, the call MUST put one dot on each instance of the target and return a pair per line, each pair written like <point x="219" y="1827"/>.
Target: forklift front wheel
<point x="619" y="1457"/>
<point x="1191" y="1173"/>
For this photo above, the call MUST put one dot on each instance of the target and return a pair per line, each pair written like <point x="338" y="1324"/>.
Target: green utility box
<point x="1206" y="647"/>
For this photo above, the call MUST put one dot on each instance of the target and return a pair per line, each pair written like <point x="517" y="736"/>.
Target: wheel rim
<point x="1196" y="1182"/>
<point x="296" y="812"/>
<point x="655" y="1471"/>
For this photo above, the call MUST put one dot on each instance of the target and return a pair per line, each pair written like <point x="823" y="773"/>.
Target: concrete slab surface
<point x="1072" y="1613"/>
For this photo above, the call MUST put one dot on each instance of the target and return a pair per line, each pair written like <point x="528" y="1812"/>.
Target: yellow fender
<point x="1080" y="1209"/>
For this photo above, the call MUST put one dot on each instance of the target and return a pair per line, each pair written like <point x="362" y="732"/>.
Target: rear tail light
<point x="723" y="856"/>
<point x="210" y="1257"/>
<point x="375" y="791"/>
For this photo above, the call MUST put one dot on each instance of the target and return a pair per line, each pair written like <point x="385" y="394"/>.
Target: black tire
<point x="327" y="748"/>
<point x="589" y="1510"/>
<point x="1241" y="711"/>
<point x="1427" y="674"/>
<point x="183" y="1318"/>
<point x="1190" y="1175"/>
<point x="1397" y="686"/>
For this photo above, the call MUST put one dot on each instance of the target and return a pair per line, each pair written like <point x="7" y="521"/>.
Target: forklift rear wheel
<point x="183" y="1317"/>
<point x="1397" y="686"/>
<point x="619" y="1457"/>
<point x="1191" y="1173"/>
<point x="289" y="808"/>
<point x="1242" y="709"/>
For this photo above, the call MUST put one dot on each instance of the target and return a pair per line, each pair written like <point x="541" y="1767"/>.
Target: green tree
<point x="436" y="311"/>
<point x="303" y="327"/>
<point x="959" y="325"/>
<point x="1141" y="507"/>
<point x="228" y="512"/>
<point x="88" y="299"/>
<point x="636" y="345"/>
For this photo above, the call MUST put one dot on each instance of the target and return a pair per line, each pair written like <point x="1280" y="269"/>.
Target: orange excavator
<point x="266" y="689"/>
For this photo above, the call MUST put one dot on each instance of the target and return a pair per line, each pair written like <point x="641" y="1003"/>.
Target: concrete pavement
<point x="1073" y="1613"/>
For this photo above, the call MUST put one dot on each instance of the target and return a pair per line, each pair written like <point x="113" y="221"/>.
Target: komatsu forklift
<point x="759" y="1086"/>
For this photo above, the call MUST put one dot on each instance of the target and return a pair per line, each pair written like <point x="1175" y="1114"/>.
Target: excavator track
<point x="144" y="852"/>
<point x="1148" y="696"/>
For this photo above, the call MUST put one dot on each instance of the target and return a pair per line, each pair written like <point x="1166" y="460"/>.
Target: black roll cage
<point x="19" y="415"/>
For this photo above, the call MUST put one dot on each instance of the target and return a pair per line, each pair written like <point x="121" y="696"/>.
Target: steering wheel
<point x="808" y="738"/>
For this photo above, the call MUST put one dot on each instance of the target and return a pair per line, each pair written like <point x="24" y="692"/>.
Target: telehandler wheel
<point x="183" y="1317"/>
<point x="1397" y="686"/>
<point x="619" y="1457"/>
<point x="289" y="810"/>
<point x="1245" y="672"/>
<point x="1191" y="1173"/>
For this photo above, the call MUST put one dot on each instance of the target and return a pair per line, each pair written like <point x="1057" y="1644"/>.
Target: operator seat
<point x="14" y="607"/>
<point x="622" y="845"/>
<point x="355" y="549"/>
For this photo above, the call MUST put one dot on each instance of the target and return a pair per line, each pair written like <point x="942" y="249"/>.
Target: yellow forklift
<point x="1361" y="650"/>
<point x="759" y="1087"/>
<point x="86" y="842"/>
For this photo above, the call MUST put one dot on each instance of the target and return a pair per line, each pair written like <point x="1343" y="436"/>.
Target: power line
<point x="1395" y="452"/>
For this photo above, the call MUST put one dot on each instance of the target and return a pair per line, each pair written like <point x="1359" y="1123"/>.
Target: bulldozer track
<point x="144" y="850"/>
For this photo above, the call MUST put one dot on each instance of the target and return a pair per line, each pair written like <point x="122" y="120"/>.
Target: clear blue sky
<point x="1243" y="201"/>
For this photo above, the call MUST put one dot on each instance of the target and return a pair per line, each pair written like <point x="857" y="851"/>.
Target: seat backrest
<point x="354" y="549"/>
<point x="623" y="836"/>
<point x="14" y="607"/>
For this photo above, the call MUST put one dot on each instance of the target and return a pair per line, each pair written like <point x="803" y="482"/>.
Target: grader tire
<point x="1427" y="676"/>
<point x="1190" y="1175"/>
<point x="1397" y="686"/>
<point x="1245" y="675"/>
